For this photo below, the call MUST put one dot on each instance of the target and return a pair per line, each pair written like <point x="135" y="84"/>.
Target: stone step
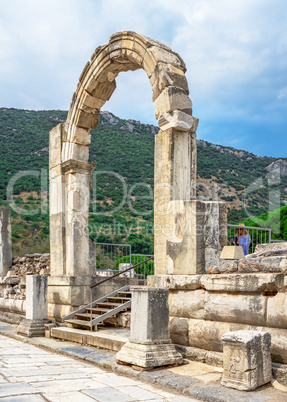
<point x="119" y="299"/>
<point x="107" y="304"/>
<point x="112" y="340"/>
<point x="86" y="316"/>
<point x="125" y="294"/>
<point x="100" y="310"/>
<point x="84" y="323"/>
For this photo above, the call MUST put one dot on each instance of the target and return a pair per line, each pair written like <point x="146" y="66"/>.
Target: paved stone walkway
<point x="31" y="374"/>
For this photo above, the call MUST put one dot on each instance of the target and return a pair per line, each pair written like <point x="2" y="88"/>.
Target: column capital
<point x="75" y="166"/>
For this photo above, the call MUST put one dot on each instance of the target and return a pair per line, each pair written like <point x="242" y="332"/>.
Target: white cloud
<point x="282" y="93"/>
<point x="235" y="52"/>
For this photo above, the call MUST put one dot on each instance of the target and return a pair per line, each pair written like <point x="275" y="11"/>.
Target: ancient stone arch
<point x="175" y="164"/>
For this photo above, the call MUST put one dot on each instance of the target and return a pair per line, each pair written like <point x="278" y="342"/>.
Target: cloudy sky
<point x="235" y="52"/>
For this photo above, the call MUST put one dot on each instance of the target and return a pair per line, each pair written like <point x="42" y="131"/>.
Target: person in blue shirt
<point x="243" y="238"/>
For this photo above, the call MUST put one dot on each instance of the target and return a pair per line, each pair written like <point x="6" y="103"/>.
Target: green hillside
<point x="125" y="147"/>
<point x="275" y="220"/>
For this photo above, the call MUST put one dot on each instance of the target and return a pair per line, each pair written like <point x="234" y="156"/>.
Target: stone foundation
<point x="204" y="307"/>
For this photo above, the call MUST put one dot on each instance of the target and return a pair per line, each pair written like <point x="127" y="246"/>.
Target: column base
<point x="149" y="355"/>
<point x="31" y="328"/>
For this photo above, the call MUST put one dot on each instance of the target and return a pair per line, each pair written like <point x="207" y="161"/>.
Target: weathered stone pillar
<point x="149" y="344"/>
<point x="188" y="234"/>
<point x="78" y="184"/>
<point x="57" y="203"/>
<point x="70" y="183"/>
<point x="246" y="359"/>
<point x="36" y="306"/>
<point x="5" y="240"/>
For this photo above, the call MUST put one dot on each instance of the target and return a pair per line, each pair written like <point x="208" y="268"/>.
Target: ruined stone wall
<point x="13" y="285"/>
<point x="243" y="294"/>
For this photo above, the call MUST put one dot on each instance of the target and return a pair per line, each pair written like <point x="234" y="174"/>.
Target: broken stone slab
<point x="270" y="247"/>
<point x="149" y="343"/>
<point x="270" y="253"/>
<point x="13" y="280"/>
<point x="267" y="264"/>
<point x="232" y="253"/>
<point x="228" y="266"/>
<point x="243" y="283"/>
<point x="246" y="360"/>
<point x="178" y="120"/>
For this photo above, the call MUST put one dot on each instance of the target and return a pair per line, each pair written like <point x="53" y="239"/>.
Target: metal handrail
<point x="253" y="228"/>
<point x="108" y="279"/>
<point x="121" y="272"/>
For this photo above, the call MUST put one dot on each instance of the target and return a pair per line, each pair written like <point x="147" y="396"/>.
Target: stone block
<point x="178" y="120"/>
<point x="232" y="253"/>
<point x="165" y="56"/>
<point x="171" y="99"/>
<point x="174" y="282"/>
<point x="75" y="151"/>
<point x="192" y="242"/>
<point x="265" y="264"/>
<point x="104" y="90"/>
<point x="149" y="317"/>
<point x="79" y="135"/>
<point x="55" y="145"/>
<point x="228" y="266"/>
<point x="246" y="360"/>
<point x="149" y="356"/>
<point x="74" y="295"/>
<point x="187" y="304"/>
<point x="149" y="344"/>
<point x="32" y="328"/>
<point x="86" y="120"/>
<point x="237" y="308"/>
<point x="270" y="247"/>
<point x="166" y="75"/>
<point x="243" y="283"/>
<point x="178" y="328"/>
<point x="276" y="311"/>
<point x="5" y="241"/>
<point x="205" y="334"/>
<point x="36" y="297"/>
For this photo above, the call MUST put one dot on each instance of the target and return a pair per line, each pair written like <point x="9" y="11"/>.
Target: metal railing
<point x="257" y="235"/>
<point x="93" y="322"/>
<point x="108" y="254"/>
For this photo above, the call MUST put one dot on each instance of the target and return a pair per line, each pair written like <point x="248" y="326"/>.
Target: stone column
<point x="77" y="200"/>
<point x="57" y="203"/>
<point x="36" y="307"/>
<point x="246" y="359"/>
<point x="188" y="234"/>
<point x="149" y="344"/>
<point x="70" y="280"/>
<point x="5" y="241"/>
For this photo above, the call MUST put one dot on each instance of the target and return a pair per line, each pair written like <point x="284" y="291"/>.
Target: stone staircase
<point x="95" y="313"/>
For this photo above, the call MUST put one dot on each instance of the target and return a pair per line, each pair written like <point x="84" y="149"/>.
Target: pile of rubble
<point x="14" y="284"/>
